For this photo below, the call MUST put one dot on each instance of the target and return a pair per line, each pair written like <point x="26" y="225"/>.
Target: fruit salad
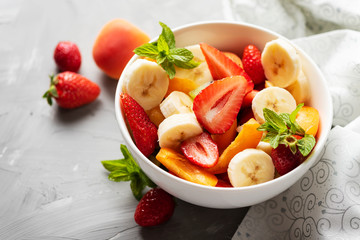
<point x="216" y="118"/>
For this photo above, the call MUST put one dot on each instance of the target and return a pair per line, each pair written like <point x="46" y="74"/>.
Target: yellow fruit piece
<point x="248" y="137"/>
<point x="177" y="164"/>
<point x="181" y="84"/>
<point x="224" y="140"/>
<point x="155" y="115"/>
<point x="308" y="118"/>
<point x="235" y="58"/>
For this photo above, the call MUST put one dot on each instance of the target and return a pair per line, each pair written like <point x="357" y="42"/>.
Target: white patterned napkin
<point x="325" y="202"/>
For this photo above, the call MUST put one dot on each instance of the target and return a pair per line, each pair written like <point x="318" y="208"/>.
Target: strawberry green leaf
<point x="306" y="144"/>
<point x="126" y="169"/>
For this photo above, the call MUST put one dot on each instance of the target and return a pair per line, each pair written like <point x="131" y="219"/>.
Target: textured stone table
<point x="52" y="184"/>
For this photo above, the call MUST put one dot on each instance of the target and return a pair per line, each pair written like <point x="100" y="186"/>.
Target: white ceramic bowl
<point x="232" y="36"/>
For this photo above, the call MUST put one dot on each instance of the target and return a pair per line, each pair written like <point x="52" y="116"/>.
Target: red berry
<point x="247" y="102"/>
<point x="155" y="207"/>
<point x="221" y="66"/>
<point x="201" y="150"/>
<point x="217" y="106"/>
<point x="71" y="90"/>
<point x="284" y="160"/>
<point x="143" y="130"/>
<point x="252" y="64"/>
<point x="67" y="56"/>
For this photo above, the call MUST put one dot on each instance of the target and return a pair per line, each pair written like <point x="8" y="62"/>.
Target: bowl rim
<point x="304" y="167"/>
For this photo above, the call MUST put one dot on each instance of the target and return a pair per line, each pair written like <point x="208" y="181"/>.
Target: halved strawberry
<point x="201" y="150"/>
<point x="221" y="66"/>
<point x="217" y="106"/>
<point x="248" y="98"/>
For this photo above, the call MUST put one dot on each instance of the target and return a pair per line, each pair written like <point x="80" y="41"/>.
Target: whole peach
<point x="114" y="46"/>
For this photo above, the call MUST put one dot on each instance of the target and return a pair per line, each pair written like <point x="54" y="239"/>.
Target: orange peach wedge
<point x="183" y="168"/>
<point x="308" y="118"/>
<point x="248" y="137"/>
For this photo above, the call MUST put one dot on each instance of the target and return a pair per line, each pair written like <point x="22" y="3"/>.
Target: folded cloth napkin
<point x="325" y="202"/>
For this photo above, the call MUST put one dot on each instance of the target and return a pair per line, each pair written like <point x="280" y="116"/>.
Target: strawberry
<point x="71" y="90"/>
<point x="143" y="130"/>
<point x="67" y="56"/>
<point x="201" y="150"/>
<point x="284" y="160"/>
<point x="248" y="98"/>
<point x="154" y="208"/>
<point x="221" y="66"/>
<point x="251" y="60"/>
<point x="217" y="106"/>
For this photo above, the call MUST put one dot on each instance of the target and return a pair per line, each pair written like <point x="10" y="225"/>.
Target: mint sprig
<point x="166" y="54"/>
<point x="126" y="169"/>
<point x="281" y="129"/>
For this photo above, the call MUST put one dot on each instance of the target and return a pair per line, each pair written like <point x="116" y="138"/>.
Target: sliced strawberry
<point x="221" y="66"/>
<point x="201" y="150"/>
<point x="143" y="130"/>
<point x="217" y="106"/>
<point x="248" y="98"/>
<point x="252" y="64"/>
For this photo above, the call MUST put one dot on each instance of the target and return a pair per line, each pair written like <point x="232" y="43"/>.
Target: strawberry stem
<point x="51" y="92"/>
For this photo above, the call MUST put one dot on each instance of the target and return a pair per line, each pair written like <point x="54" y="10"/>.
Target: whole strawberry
<point x="71" y="90"/>
<point x="67" y="56"/>
<point x="155" y="207"/>
<point x="284" y="160"/>
<point x="143" y="130"/>
<point x="252" y="64"/>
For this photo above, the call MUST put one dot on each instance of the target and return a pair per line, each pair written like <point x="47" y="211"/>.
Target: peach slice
<point x="248" y="137"/>
<point x="181" y="84"/>
<point x="308" y="118"/>
<point x="224" y="140"/>
<point x="183" y="168"/>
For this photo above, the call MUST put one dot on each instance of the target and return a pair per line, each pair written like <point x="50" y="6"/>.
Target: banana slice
<point x="274" y="98"/>
<point x="201" y="74"/>
<point x="146" y="82"/>
<point x="177" y="128"/>
<point x="250" y="167"/>
<point x="177" y="102"/>
<point x="265" y="146"/>
<point x="281" y="63"/>
<point x="300" y="89"/>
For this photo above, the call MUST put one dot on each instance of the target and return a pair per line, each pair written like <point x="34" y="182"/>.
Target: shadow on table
<point x="193" y="222"/>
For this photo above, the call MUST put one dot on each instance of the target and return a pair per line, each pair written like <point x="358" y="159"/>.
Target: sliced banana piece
<point x="281" y="63"/>
<point x="250" y="167"/>
<point x="177" y="102"/>
<point x="300" y="88"/>
<point x="177" y="128"/>
<point x="274" y="98"/>
<point x="265" y="146"/>
<point x="201" y="74"/>
<point x="146" y="82"/>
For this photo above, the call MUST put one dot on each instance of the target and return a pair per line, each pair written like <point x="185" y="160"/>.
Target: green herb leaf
<point x="168" y="35"/>
<point x="149" y="50"/>
<point x="306" y="144"/>
<point x="166" y="54"/>
<point x="280" y="129"/>
<point x="127" y="169"/>
<point x="162" y="46"/>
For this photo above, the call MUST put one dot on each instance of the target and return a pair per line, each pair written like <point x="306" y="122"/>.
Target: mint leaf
<point x="149" y="50"/>
<point x="168" y="35"/>
<point x="281" y="129"/>
<point x="166" y="54"/>
<point x="162" y="46"/>
<point x="169" y="68"/>
<point x="274" y="120"/>
<point x="126" y="169"/>
<point x="306" y="144"/>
